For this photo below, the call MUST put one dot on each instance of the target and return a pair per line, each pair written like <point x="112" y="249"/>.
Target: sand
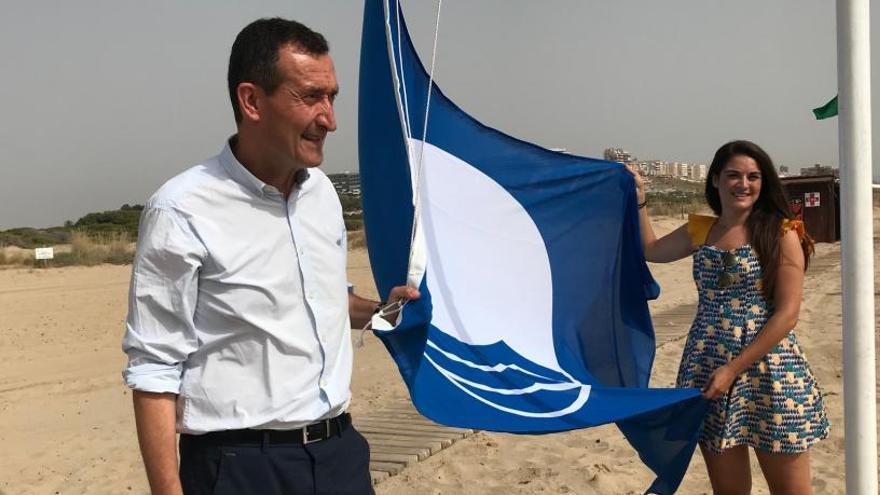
<point x="66" y="424"/>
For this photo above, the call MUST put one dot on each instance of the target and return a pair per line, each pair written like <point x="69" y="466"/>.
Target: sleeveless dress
<point x="773" y="406"/>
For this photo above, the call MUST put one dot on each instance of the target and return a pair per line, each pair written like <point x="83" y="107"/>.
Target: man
<point x="238" y="326"/>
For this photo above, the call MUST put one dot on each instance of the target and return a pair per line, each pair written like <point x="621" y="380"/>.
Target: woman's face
<point x="739" y="184"/>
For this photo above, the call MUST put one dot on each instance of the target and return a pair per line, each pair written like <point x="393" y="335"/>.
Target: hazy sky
<point x="105" y="100"/>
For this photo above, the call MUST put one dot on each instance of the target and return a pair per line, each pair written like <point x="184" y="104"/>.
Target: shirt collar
<point x="240" y="174"/>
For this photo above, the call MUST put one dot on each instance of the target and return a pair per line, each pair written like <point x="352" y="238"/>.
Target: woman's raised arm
<point x="671" y="247"/>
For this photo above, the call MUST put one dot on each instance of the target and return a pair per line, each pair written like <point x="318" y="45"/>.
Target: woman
<point x="749" y="265"/>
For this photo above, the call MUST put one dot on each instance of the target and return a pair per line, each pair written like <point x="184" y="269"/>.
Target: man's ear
<point x="249" y="101"/>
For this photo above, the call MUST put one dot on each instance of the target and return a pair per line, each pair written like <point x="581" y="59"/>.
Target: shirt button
<point x="323" y="383"/>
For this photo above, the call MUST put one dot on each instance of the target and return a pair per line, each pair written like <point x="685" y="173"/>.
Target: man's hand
<point x="400" y="294"/>
<point x="362" y="310"/>
<point x="403" y="293"/>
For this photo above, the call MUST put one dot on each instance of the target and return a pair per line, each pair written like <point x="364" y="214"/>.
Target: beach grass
<point x="83" y="250"/>
<point x="11" y="256"/>
<point x="90" y="250"/>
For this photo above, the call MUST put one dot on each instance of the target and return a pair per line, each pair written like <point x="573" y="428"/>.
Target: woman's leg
<point x="729" y="471"/>
<point x="786" y="473"/>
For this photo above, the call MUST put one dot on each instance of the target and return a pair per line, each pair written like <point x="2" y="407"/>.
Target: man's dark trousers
<point x="338" y="465"/>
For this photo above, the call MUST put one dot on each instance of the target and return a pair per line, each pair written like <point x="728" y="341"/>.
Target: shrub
<point x="119" y="247"/>
<point x="89" y="250"/>
<point x="29" y="238"/>
<point x="84" y="250"/>
<point x="680" y="210"/>
<point x="353" y="223"/>
<point x="13" y="257"/>
<point x="356" y="239"/>
<point x="350" y="202"/>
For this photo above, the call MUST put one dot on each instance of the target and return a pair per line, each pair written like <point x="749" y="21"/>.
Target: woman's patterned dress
<point x="776" y="404"/>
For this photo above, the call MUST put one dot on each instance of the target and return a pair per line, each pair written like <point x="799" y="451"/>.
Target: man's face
<point x="299" y="113"/>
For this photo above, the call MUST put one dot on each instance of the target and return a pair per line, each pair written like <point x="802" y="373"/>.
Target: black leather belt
<point x="314" y="432"/>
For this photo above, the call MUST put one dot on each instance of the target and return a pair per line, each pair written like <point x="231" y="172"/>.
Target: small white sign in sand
<point x="45" y="253"/>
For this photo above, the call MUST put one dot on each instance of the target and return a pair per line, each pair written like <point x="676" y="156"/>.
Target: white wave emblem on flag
<point x="478" y="239"/>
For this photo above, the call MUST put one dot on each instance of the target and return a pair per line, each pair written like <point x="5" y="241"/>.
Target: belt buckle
<point x="305" y="432"/>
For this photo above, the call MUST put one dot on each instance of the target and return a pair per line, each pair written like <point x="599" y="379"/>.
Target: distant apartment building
<point x="696" y="171"/>
<point x="665" y="169"/>
<point x="659" y="168"/>
<point x="653" y="168"/>
<point x="618" y="155"/>
<point x="346" y="183"/>
<point x="677" y="170"/>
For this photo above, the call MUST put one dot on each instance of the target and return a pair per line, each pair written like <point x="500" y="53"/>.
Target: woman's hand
<point x="640" y="184"/>
<point x="719" y="382"/>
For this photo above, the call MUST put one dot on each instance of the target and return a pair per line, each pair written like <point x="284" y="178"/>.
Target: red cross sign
<point x="811" y="199"/>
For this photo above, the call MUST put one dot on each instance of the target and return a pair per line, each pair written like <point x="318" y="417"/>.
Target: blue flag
<point x="533" y="316"/>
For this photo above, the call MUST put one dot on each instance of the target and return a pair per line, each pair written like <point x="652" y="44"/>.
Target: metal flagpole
<point x="859" y="360"/>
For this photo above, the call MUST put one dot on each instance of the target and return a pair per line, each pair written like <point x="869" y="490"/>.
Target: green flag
<point x="827" y="110"/>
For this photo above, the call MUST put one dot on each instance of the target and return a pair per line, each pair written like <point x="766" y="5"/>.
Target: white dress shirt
<point x="239" y="300"/>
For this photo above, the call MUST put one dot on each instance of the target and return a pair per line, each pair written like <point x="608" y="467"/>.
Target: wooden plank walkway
<point x="674" y="323"/>
<point x="400" y="436"/>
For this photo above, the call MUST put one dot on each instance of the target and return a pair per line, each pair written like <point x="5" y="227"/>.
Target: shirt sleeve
<point x="345" y="248"/>
<point x="159" y="329"/>
<point x="698" y="228"/>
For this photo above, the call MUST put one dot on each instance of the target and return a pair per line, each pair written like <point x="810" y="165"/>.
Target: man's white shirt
<point x="239" y="301"/>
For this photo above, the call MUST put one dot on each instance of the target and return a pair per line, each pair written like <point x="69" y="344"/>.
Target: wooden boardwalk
<point x="400" y="436"/>
<point x="674" y="323"/>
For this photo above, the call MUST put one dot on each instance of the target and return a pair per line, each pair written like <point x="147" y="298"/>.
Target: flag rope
<point x="402" y="79"/>
<point x="417" y="197"/>
<point x="393" y="307"/>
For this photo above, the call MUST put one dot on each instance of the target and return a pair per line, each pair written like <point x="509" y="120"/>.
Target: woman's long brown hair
<point x="765" y="221"/>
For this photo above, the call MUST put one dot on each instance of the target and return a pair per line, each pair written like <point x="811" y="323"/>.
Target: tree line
<point x="125" y="221"/>
<point x="98" y="224"/>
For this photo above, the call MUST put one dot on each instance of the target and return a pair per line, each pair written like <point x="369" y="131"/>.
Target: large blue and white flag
<point x="533" y="316"/>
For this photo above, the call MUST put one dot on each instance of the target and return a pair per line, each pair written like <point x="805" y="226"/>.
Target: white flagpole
<point x="859" y="360"/>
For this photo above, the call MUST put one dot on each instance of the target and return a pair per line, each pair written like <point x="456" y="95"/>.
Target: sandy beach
<point x="66" y="424"/>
